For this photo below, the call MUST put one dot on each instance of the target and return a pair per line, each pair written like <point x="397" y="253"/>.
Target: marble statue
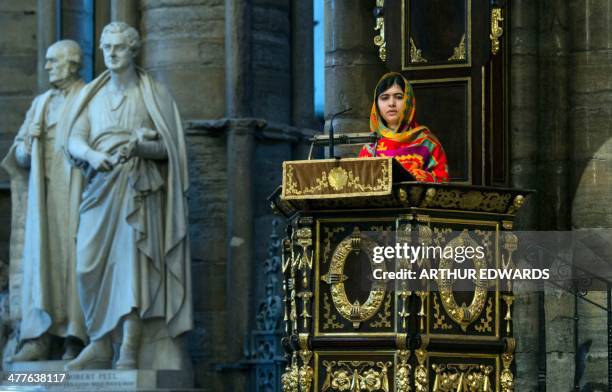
<point x="41" y="173"/>
<point x="133" y="258"/>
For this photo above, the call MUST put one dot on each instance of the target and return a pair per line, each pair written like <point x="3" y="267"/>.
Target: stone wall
<point x="18" y="78"/>
<point x="590" y="131"/>
<point x="18" y="86"/>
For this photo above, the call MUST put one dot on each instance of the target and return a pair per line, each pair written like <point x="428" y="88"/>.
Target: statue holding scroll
<point x="45" y="192"/>
<point x="133" y="262"/>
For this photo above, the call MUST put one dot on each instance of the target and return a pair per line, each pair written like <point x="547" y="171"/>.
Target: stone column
<point x="46" y="34"/>
<point x="590" y="127"/>
<point x="553" y="177"/>
<point x="524" y="103"/>
<point x="102" y="17"/>
<point x="553" y="146"/>
<point x="523" y="32"/>
<point x="240" y="153"/>
<point x="237" y="58"/>
<point x="184" y="49"/>
<point x="352" y="66"/>
<point x="125" y="11"/>
<point x="240" y="257"/>
<point x="302" y="72"/>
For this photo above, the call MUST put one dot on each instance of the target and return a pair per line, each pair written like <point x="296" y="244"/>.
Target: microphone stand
<point x="331" y="130"/>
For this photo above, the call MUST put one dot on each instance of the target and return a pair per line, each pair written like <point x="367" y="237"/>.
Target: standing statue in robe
<point x="133" y="259"/>
<point x="45" y="191"/>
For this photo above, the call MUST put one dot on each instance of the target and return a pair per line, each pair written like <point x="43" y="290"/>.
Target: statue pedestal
<point x="97" y="380"/>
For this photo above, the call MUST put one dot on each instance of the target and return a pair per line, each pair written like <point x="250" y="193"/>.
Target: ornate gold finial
<point x="379" y="40"/>
<point x="496" y="29"/>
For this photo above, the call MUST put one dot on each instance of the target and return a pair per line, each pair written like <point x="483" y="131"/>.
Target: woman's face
<point x="391" y="105"/>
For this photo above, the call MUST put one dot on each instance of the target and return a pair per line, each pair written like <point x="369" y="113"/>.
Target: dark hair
<point x="388" y="82"/>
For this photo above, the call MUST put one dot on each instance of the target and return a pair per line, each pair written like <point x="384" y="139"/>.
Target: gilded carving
<point x="462" y="377"/>
<point x="404" y="313"/>
<point x="402" y="372"/>
<point x="496" y="29"/>
<point x="303" y="262"/>
<point x="421" y="375"/>
<point x="351" y="202"/>
<point x="416" y="55"/>
<point x="486" y="321"/>
<point x="430" y="194"/>
<point x="384" y="317"/>
<point x="327" y="240"/>
<point x="285" y="263"/>
<point x="379" y="40"/>
<point x="459" y="53"/>
<point x="402" y="195"/>
<point x="508" y="299"/>
<point x="440" y="319"/>
<point x="506" y="379"/>
<point x="422" y="314"/>
<point x="305" y="373"/>
<point x="338" y="178"/>
<point x="293" y="312"/>
<point x="471" y="200"/>
<point x="463" y="315"/>
<point x="305" y="296"/>
<point x="290" y="378"/>
<point x="330" y="320"/>
<point x="355" y="311"/>
<point x="518" y="202"/>
<point x="304" y="259"/>
<point x="356" y="376"/>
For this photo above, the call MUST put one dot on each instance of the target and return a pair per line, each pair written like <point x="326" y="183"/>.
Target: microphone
<point x="331" y="130"/>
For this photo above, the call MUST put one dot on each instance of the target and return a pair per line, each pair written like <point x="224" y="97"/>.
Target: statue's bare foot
<point x="97" y="355"/>
<point x="33" y="350"/>
<point x="73" y="347"/>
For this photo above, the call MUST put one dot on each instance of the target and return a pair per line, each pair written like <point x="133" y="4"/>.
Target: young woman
<point x="413" y="145"/>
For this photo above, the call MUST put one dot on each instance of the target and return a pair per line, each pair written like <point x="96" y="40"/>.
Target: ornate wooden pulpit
<point x="348" y="331"/>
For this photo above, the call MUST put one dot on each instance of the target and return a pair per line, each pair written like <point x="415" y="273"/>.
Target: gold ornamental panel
<point x="353" y="311"/>
<point x="467" y="308"/>
<point x="464" y="372"/>
<point x="463" y="315"/>
<point x="360" y="371"/>
<point x="348" y="300"/>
